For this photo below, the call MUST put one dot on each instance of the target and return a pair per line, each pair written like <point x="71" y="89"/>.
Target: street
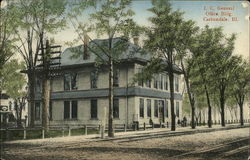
<point x="230" y="143"/>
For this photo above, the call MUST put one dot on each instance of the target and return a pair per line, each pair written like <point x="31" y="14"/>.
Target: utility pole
<point x="49" y="67"/>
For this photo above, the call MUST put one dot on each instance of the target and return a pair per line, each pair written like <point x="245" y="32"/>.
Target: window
<point x="50" y="110"/>
<point x="156" y="81"/>
<point x="66" y="109"/>
<point x="140" y="81"/>
<point x="116" y="108"/>
<point x="74" y="110"/>
<point x="38" y="85"/>
<point x="73" y="81"/>
<point x="93" y="79"/>
<point x="141" y="107"/>
<point x="177" y="109"/>
<point x="161" y="81"/>
<point x="93" y="108"/>
<point x="176" y="84"/>
<point x="70" y="109"/>
<point x="167" y="109"/>
<point x="148" y="83"/>
<point x="116" y="77"/>
<point x="161" y="109"/>
<point x="149" y="107"/>
<point x="166" y="82"/>
<point x="70" y="80"/>
<point x="156" y="108"/>
<point x="37" y="111"/>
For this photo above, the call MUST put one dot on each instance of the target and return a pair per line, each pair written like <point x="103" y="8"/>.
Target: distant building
<point x="80" y="94"/>
<point x="7" y="111"/>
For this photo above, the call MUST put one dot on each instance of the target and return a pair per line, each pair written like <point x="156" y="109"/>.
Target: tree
<point x="168" y="37"/>
<point x="200" y="100"/>
<point x="188" y="31"/>
<point x="215" y="64"/>
<point x="202" y="51"/>
<point x="110" y="19"/>
<point x="8" y="25"/>
<point x="39" y="19"/>
<point x="241" y="86"/>
<point x="223" y="73"/>
<point x="232" y="106"/>
<point x="13" y="82"/>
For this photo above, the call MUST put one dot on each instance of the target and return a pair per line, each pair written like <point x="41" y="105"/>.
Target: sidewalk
<point x="130" y="134"/>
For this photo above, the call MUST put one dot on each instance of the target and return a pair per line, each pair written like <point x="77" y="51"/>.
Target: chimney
<point x="85" y="46"/>
<point x="136" y="40"/>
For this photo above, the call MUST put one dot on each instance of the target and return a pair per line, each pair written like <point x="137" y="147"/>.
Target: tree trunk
<point x="31" y="79"/>
<point x="200" y="118"/>
<point x="190" y="96"/>
<point x="209" y="106"/>
<point x="1" y="115"/>
<point x="193" y="117"/>
<point x="171" y="83"/>
<point x="110" y="124"/>
<point x="192" y="104"/>
<point x="241" y="114"/>
<point x="17" y="107"/>
<point x="45" y="103"/>
<point x="222" y="105"/>
<point x="209" y="109"/>
<point x="45" y="82"/>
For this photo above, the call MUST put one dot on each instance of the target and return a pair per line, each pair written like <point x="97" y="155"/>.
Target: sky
<point x="201" y="11"/>
<point x="236" y="13"/>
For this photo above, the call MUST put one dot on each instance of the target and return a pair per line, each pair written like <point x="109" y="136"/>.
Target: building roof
<point x="73" y="56"/>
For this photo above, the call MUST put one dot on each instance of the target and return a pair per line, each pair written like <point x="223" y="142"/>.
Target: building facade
<point x="80" y="94"/>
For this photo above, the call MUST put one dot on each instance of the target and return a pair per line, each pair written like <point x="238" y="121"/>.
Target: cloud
<point x="244" y="4"/>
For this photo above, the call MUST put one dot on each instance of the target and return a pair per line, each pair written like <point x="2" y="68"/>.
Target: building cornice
<point x="118" y="92"/>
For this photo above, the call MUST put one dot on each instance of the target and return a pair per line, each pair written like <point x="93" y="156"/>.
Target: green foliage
<point x="42" y="15"/>
<point x="168" y="39"/>
<point x="154" y="66"/>
<point x="201" y="101"/>
<point x="186" y="108"/>
<point x="214" y="63"/>
<point x="8" y="26"/>
<point x="111" y="19"/>
<point x="12" y="80"/>
<point x="241" y="82"/>
<point x="38" y="19"/>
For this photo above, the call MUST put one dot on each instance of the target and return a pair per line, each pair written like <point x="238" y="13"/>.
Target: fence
<point x="39" y="132"/>
<point x="57" y="131"/>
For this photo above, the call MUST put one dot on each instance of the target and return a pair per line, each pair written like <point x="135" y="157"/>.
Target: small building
<point x="79" y="95"/>
<point x="8" y="113"/>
